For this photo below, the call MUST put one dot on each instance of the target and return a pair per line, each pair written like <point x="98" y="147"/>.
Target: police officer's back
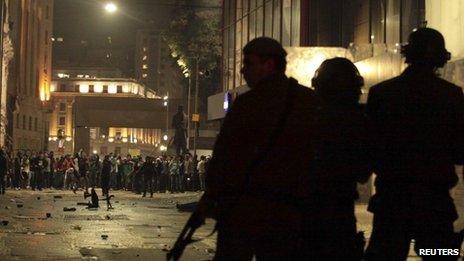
<point x="341" y="160"/>
<point x="256" y="175"/>
<point x="417" y="121"/>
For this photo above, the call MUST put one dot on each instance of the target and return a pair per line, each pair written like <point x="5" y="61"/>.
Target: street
<point x="136" y="229"/>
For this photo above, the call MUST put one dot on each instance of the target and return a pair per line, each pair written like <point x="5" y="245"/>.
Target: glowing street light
<point x="165" y="137"/>
<point x="110" y="7"/>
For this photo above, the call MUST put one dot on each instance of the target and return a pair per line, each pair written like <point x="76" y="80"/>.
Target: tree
<point x="195" y="32"/>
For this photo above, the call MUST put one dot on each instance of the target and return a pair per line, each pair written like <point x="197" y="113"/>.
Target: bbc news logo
<point x="438" y="252"/>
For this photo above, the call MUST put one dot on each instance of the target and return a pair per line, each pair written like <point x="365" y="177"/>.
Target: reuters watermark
<point x="438" y="252"/>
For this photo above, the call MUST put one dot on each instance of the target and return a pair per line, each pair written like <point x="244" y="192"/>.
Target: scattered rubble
<point x="5" y="222"/>
<point x="77" y="227"/>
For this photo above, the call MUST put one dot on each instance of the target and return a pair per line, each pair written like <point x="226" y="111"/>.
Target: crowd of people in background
<point x="40" y="170"/>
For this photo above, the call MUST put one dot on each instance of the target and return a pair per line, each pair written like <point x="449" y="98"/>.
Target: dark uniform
<point x="148" y="171"/>
<point x="341" y="160"/>
<point x="179" y="121"/>
<point x="105" y="176"/>
<point x="417" y="122"/>
<point x="260" y="212"/>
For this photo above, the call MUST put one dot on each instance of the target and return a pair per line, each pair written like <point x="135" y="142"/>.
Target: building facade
<point x="103" y="139"/>
<point x="370" y="31"/>
<point x="26" y="73"/>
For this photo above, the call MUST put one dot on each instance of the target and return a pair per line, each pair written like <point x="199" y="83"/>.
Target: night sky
<point x="85" y="27"/>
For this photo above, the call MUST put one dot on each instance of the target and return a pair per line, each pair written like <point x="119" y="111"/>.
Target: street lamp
<point x="111" y="7"/>
<point x="166" y="104"/>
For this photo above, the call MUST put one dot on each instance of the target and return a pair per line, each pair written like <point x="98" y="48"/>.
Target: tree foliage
<point x="195" y="32"/>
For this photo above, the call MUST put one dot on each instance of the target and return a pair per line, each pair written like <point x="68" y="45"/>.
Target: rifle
<point x="195" y="221"/>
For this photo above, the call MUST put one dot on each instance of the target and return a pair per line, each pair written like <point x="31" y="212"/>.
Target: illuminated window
<point x="84" y="88"/>
<point x="125" y="88"/>
<point x="144" y="66"/>
<point x="144" y="49"/>
<point x="98" y="88"/>
<point x="112" y="88"/>
<point x="144" y="58"/>
<point x="144" y="75"/>
<point x="135" y="90"/>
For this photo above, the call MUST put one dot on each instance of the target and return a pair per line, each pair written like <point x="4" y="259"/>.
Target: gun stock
<point x="185" y="237"/>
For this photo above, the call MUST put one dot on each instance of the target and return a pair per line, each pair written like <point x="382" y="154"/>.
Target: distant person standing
<point x="105" y="175"/>
<point x="201" y="168"/>
<point x="417" y="123"/>
<point x="3" y="171"/>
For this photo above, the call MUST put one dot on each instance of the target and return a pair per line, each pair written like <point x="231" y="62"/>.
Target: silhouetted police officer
<point x="417" y="121"/>
<point x="341" y="160"/>
<point x="260" y="161"/>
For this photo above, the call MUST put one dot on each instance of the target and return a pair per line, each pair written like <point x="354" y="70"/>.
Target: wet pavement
<point x="136" y="229"/>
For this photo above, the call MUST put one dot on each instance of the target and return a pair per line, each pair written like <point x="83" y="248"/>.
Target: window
<point x="47" y="12"/>
<point x="30" y="123"/>
<point x="98" y="88"/>
<point x="286" y="22"/>
<point x="144" y="66"/>
<point x="144" y="58"/>
<point x="24" y="122"/>
<point x="144" y="75"/>
<point x="144" y="49"/>
<point x="46" y="37"/>
<point x="62" y="121"/>
<point x="119" y="89"/>
<point x="84" y="88"/>
<point x="17" y="121"/>
<point x="377" y="21"/>
<point x="268" y="19"/>
<point x="112" y="88"/>
<point x="276" y="20"/>
<point x="62" y="107"/>
<point x="295" y="22"/>
<point x="35" y="124"/>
